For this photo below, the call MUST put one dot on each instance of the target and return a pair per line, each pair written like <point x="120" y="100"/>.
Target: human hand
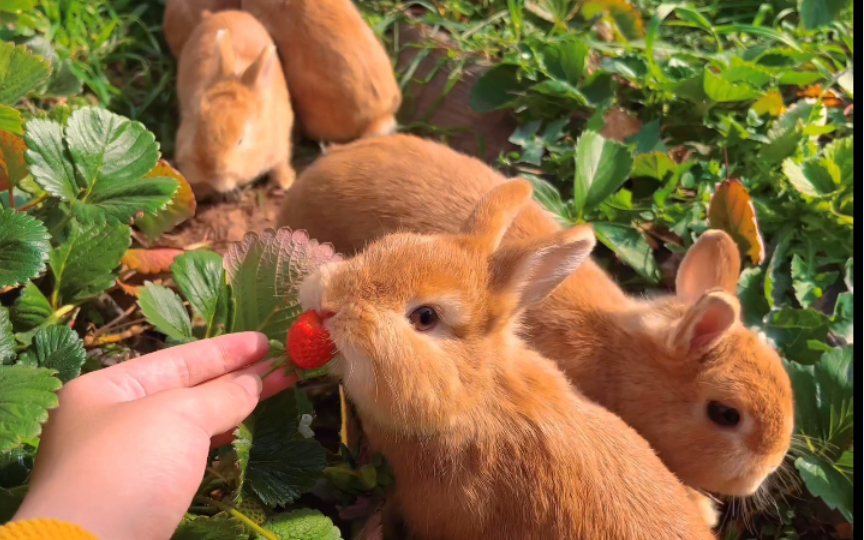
<point x="126" y="450"/>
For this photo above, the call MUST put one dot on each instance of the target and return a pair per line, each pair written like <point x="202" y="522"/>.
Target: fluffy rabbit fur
<point x="341" y="80"/>
<point x="236" y="116"/>
<point x="667" y="366"/>
<point x="487" y="439"/>
<point x="182" y="16"/>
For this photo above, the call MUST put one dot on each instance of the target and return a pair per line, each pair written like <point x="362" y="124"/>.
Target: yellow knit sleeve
<point x="44" y="529"/>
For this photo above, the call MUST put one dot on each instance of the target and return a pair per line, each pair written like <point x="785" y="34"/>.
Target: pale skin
<point x="126" y="449"/>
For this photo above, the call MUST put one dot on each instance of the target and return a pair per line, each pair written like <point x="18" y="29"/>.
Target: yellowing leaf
<point x="625" y="19"/>
<point x="181" y="207"/>
<point x="731" y="210"/>
<point x="12" y="165"/>
<point x="771" y="103"/>
<point x="150" y="261"/>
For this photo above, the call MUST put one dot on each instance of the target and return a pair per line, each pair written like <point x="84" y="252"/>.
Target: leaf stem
<point x="237" y="514"/>
<point x="34" y="202"/>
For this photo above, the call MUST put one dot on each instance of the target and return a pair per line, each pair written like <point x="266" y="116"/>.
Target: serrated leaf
<point x="26" y="395"/>
<point x="565" y="59"/>
<point x="721" y="90"/>
<point x="731" y="210"/>
<point x="754" y="306"/>
<point x="24" y="245"/>
<point x="549" y="197"/>
<point x="771" y="103"/>
<point x="164" y="310"/>
<point x="49" y="161"/>
<point x="276" y="463"/>
<point x="7" y="338"/>
<point x="496" y="88"/>
<point x="201" y="278"/>
<point x="20" y="72"/>
<point x="31" y="309"/>
<point x="792" y="329"/>
<point x="112" y="155"/>
<point x="624" y="16"/>
<point x="653" y="165"/>
<point x="150" y="261"/>
<point x="58" y="347"/>
<point x="816" y="13"/>
<point x="648" y="139"/>
<point x="843" y="321"/>
<point x="602" y="166"/>
<point x="13" y="167"/>
<point x="10" y="120"/>
<point x="630" y="246"/>
<point x="219" y="527"/>
<point x="808" y="283"/>
<point x="265" y="272"/>
<point x="809" y="178"/>
<point x="303" y="524"/>
<point x="181" y="207"/>
<point x="84" y="262"/>
<point x="824" y="480"/>
<point x="840" y="156"/>
<point x="778" y="278"/>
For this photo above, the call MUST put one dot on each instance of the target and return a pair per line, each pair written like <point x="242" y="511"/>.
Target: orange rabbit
<point x="182" y="16"/>
<point x="236" y="116"/>
<point x="712" y="399"/>
<point x="341" y="79"/>
<point x="486" y="438"/>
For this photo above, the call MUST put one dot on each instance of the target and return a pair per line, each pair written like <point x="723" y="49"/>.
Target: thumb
<point x="221" y="404"/>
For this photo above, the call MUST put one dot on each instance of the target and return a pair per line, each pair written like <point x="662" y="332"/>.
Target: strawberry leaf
<point x="58" y="347"/>
<point x="13" y="167"/>
<point x="31" y="309"/>
<point x="150" y="261"/>
<point x="26" y="395"/>
<point x="84" y="262"/>
<point x="7" y="338"/>
<point x="20" y="72"/>
<point x="731" y="210"/>
<point x="218" y="527"/>
<point x="24" y="245"/>
<point x="201" y="278"/>
<point x="164" y="310"/>
<point x="630" y="246"/>
<point x="265" y="272"/>
<point x="303" y="524"/>
<point x="602" y="166"/>
<point x="181" y="207"/>
<point x="10" y="120"/>
<point x="49" y="161"/>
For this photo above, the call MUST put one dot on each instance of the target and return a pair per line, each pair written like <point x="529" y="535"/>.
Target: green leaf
<point x="83" y="263"/>
<point x="10" y="120"/>
<point x="24" y="245"/>
<point x="201" y="278"/>
<point x="778" y="279"/>
<point x="20" y="72"/>
<point x="549" y="197"/>
<point x="752" y="297"/>
<point x="276" y="462"/>
<point x="112" y="154"/>
<point x="843" y="321"/>
<point x="792" y="328"/>
<point x="630" y="246"/>
<point x="565" y="59"/>
<point x="303" y="524"/>
<point x="839" y="158"/>
<point x="824" y="480"/>
<point x="31" y="309"/>
<point x="164" y="310"/>
<point x="58" y="347"/>
<point x="219" y="527"/>
<point x="809" y="284"/>
<point x="602" y="166"/>
<point x="721" y="90"/>
<point x="653" y="165"/>
<point x="809" y="178"/>
<point x="49" y="160"/>
<point x="648" y="139"/>
<point x="496" y="88"/>
<point x="26" y="395"/>
<point x="265" y="272"/>
<point x="7" y="338"/>
<point x="816" y="13"/>
<point x="181" y="207"/>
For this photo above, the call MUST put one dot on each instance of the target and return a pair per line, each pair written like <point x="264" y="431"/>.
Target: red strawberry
<point x="309" y="345"/>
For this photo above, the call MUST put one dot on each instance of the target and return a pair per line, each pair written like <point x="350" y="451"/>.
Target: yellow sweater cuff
<point x="44" y="529"/>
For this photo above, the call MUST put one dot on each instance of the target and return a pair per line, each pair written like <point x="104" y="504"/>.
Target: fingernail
<point x="251" y="383"/>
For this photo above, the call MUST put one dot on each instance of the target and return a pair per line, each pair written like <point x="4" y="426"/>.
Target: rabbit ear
<point x="527" y="273"/>
<point x="225" y="52"/>
<point x="494" y="213"/>
<point x="259" y="72"/>
<point x="712" y="262"/>
<point x="705" y="322"/>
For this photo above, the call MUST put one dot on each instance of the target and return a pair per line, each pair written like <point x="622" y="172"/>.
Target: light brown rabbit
<point x="182" y="16"/>
<point x="711" y="398"/>
<point x="486" y="438"/>
<point x="341" y="80"/>
<point x="236" y="116"/>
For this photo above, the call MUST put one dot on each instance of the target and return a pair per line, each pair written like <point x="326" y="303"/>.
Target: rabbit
<point x="486" y="438"/>
<point x="341" y="79"/>
<point x="236" y="117"/>
<point x="182" y="16"/>
<point x="710" y="397"/>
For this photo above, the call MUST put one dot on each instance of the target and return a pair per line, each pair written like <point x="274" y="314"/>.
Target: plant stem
<point x="34" y="202"/>
<point x="237" y="514"/>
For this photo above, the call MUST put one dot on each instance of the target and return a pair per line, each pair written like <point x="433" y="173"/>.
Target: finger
<point x="181" y="367"/>
<point x="219" y="405"/>
<point x="273" y="384"/>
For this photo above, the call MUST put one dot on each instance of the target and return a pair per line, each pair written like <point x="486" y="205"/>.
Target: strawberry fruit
<point x="309" y="344"/>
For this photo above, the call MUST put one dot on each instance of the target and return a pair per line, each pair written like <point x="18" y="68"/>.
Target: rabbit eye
<point x="423" y="318"/>
<point x="722" y="415"/>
